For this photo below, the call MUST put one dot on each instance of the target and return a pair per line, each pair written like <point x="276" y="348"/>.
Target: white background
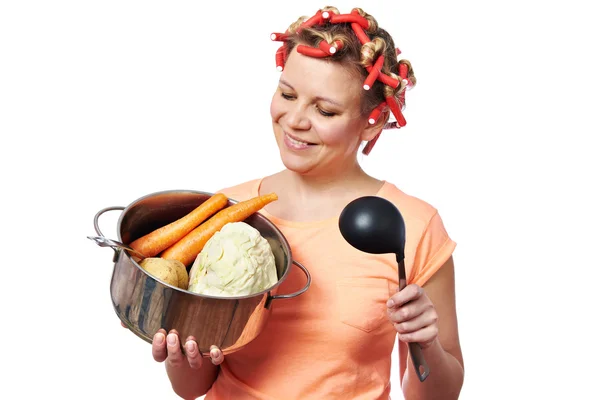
<point x="102" y="102"/>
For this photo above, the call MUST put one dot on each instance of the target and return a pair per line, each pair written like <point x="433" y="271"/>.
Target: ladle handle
<point x="416" y="353"/>
<point x="421" y="367"/>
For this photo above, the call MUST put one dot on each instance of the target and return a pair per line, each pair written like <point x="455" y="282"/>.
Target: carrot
<point x="164" y="237"/>
<point x="187" y="249"/>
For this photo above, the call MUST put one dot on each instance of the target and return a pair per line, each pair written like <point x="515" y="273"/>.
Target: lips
<point x="297" y="140"/>
<point x="295" y="144"/>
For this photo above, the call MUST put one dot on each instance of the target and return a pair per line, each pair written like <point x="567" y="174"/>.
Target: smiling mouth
<point x="296" y="141"/>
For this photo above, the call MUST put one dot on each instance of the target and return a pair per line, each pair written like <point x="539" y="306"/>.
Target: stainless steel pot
<point x="145" y="304"/>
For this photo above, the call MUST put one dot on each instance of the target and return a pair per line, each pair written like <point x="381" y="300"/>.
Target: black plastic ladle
<point x="374" y="225"/>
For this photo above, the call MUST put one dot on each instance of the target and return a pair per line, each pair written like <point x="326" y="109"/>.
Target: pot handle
<point x="99" y="213"/>
<point x="298" y="293"/>
<point x="99" y="241"/>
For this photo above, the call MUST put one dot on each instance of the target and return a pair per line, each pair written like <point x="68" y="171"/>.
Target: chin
<point x="297" y="163"/>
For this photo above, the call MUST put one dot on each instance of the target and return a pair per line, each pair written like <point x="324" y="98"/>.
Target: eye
<point x="287" y="96"/>
<point x="325" y="113"/>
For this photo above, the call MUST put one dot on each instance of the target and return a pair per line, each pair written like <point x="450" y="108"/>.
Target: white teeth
<point x="296" y="141"/>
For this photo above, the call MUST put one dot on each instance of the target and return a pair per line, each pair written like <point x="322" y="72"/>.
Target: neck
<point x="310" y="197"/>
<point x="308" y="185"/>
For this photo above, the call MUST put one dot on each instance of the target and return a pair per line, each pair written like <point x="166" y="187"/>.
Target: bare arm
<point x="428" y="316"/>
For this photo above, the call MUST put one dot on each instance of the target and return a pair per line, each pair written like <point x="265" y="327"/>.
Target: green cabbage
<point x="235" y="261"/>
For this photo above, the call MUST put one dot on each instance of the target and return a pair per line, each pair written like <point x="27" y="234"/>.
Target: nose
<point x="297" y="117"/>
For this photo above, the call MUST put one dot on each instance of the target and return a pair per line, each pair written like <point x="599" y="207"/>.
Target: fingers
<point x="192" y="353"/>
<point x="413" y="315"/>
<point x="159" y="347"/>
<point x="168" y="347"/>
<point x="411" y="311"/>
<point x="216" y="355"/>
<point x="175" y="356"/>
<point x="424" y="336"/>
<point x="409" y="293"/>
<point x="409" y="304"/>
<point x="421" y="321"/>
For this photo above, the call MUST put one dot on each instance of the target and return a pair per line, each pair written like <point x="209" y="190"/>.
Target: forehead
<point x="318" y="77"/>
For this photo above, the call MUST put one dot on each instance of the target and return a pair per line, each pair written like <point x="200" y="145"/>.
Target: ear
<point x="371" y="131"/>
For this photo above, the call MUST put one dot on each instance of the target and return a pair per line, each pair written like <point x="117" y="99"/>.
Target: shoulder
<point x="242" y="191"/>
<point x="410" y="205"/>
<point x="428" y="244"/>
<point x="417" y="213"/>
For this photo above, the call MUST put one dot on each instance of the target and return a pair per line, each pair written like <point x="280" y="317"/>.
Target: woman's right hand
<point x="168" y="348"/>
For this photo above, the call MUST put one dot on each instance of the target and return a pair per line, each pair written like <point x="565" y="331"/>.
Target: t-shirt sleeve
<point x="433" y="250"/>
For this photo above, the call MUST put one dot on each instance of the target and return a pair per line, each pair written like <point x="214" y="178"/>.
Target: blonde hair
<point x="355" y="55"/>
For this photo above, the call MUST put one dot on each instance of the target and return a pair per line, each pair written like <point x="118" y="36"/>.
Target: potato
<point x="172" y="272"/>
<point x="181" y="273"/>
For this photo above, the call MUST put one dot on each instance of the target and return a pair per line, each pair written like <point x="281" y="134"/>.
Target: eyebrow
<point x="327" y="99"/>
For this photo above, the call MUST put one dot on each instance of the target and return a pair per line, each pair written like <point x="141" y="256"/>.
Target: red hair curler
<point x="280" y="58"/>
<point x="360" y="33"/>
<point x="371" y="144"/>
<point x="330" y="48"/>
<point x="317" y="19"/>
<point x="374" y="116"/>
<point x="362" y="36"/>
<point x="403" y="69"/>
<point x="385" y="79"/>
<point x="311" y="51"/>
<point x="338" y="45"/>
<point x="393" y="104"/>
<point x="353" y="18"/>
<point x="279" y="37"/>
<point x="374" y="73"/>
<point x="388" y="80"/>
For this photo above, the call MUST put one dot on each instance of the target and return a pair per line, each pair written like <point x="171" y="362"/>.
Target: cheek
<point x="334" y="133"/>
<point x="276" y="108"/>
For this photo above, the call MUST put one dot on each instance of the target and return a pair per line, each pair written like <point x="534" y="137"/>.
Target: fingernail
<point x="189" y="347"/>
<point x="171" y="339"/>
<point x="159" y="338"/>
<point x="390" y="303"/>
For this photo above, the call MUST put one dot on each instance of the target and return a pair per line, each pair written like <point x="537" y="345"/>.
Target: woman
<point x="335" y="341"/>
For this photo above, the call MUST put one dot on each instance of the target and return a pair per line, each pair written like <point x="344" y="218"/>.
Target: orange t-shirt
<point x="334" y="341"/>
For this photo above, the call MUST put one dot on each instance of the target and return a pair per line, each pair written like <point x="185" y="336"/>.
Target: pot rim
<point x="281" y="237"/>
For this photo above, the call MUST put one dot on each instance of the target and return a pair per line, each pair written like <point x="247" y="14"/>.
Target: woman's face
<point x="316" y="116"/>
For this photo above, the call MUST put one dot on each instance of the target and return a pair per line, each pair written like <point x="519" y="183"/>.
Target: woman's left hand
<point x="413" y="315"/>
